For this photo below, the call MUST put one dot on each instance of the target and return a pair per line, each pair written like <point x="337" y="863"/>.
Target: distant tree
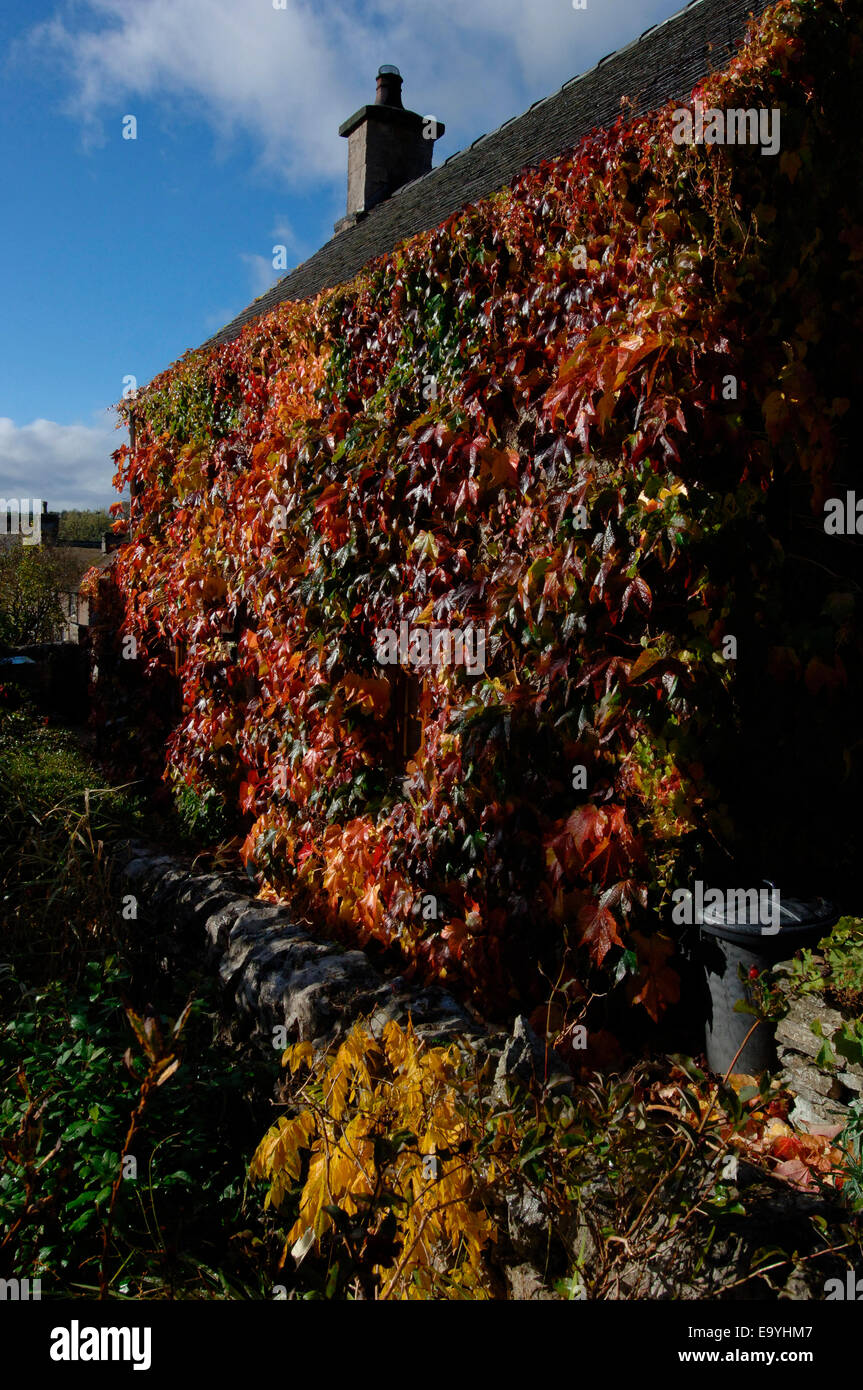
<point x="32" y="584"/>
<point x="81" y="525"/>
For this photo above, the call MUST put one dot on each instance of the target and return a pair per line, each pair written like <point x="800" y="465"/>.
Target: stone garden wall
<point x="822" y="1093"/>
<point x="274" y="972"/>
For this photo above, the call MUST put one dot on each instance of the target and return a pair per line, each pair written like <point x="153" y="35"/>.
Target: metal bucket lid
<point x="765" y="915"/>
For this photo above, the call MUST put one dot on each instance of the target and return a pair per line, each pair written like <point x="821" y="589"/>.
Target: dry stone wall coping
<point x="274" y="971"/>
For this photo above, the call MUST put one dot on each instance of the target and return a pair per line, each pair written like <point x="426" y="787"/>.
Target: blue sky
<point x="119" y="255"/>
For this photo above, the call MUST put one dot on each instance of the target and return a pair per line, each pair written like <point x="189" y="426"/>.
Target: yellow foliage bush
<point x="387" y="1127"/>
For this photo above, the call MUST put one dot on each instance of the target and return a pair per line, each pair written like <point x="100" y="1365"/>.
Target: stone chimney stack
<point x="387" y="147"/>
<point x="50" y="526"/>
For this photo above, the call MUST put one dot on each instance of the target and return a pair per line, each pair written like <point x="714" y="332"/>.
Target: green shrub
<point x="71" y="1076"/>
<point x="202" y="815"/>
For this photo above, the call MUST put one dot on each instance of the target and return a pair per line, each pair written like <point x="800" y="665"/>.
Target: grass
<point x="73" y="1073"/>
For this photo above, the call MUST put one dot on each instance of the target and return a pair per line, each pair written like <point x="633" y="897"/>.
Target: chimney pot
<point x="389" y="92"/>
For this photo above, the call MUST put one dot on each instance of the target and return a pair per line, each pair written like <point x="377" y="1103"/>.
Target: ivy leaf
<point x="599" y="931"/>
<point x="637" y="592"/>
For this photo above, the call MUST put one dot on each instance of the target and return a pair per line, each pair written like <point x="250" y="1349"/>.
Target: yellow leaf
<point x="297" y="1054"/>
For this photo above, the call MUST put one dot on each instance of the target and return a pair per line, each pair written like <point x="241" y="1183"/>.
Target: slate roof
<point x="666" y="62"/>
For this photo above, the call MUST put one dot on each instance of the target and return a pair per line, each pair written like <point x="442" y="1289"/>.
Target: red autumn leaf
<point x="795" y="1172"/>
<point x="598" y="931"/>
<point x="637" y="592"/>
<point x="786" y="1147"/>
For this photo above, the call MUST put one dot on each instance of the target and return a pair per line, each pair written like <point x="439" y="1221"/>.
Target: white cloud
<point x="63" y="465"/>
<point x="263" y="275"/>
<point x="283" y="233"/>
<point x="290" y="77"/>
<point x="219" y="317"/>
